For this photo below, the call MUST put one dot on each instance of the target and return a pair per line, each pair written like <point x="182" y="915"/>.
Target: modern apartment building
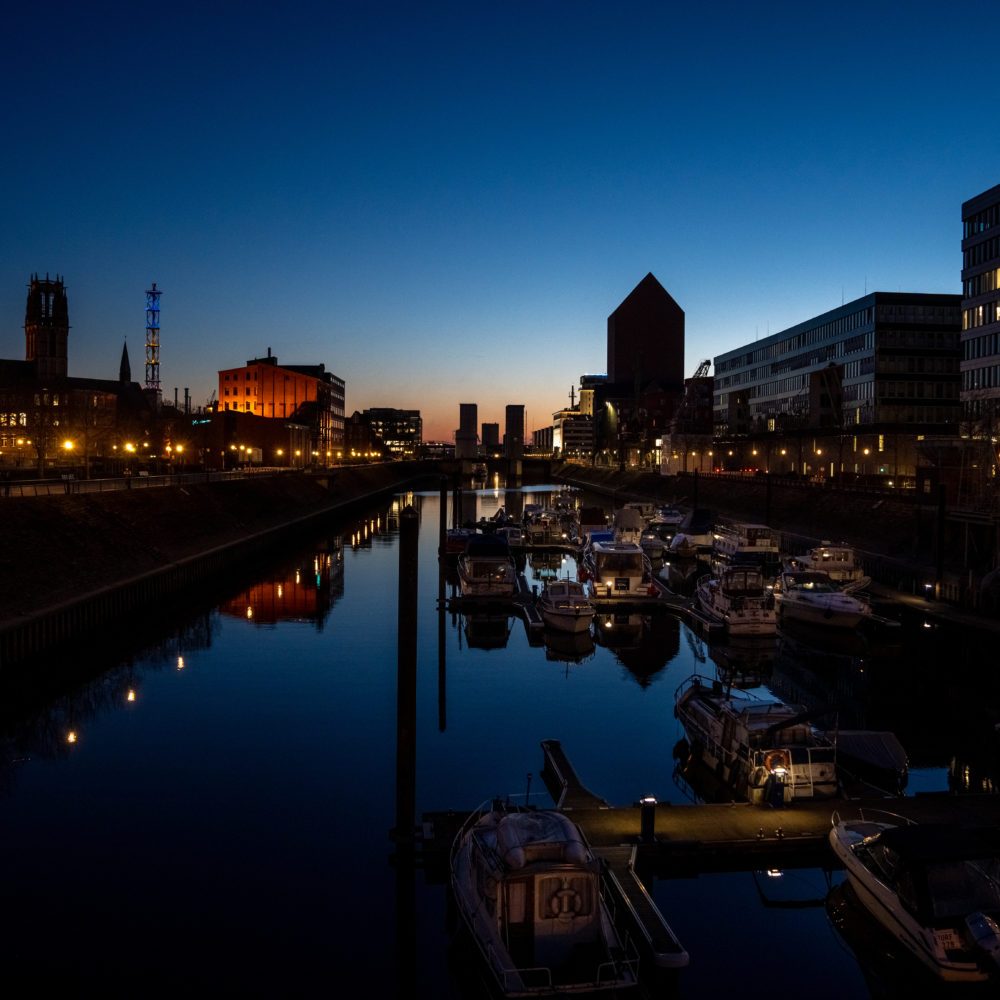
<point x="513" y="439"/>
<point x="981" y="312"/>
<point x="466" y="437"/>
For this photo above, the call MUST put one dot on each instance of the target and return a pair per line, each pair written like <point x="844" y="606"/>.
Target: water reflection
<point x="302" y="591"/>
<point x="486" y="630"/>
<point x="569" y="647"/>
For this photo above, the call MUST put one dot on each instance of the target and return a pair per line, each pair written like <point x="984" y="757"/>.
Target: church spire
<point x="125" y="370"/>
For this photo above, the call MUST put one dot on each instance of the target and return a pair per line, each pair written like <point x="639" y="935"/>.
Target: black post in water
<point x="694" y="490"/>
<point x="647" y="819"/>
<point x="939" y="540"/>
<point x="767" y="501"/>
<point x="442" y="629"/>
<point x="406" y="754"/>
<point x="456" y="506"/>
<point x="406" y="679"/>
<point x="443" y="521"/>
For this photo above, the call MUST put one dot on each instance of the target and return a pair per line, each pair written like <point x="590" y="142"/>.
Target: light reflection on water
<point x="228" y="822"/>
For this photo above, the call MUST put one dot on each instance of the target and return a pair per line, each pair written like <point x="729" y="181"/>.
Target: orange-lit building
<point x="303" y="394"/>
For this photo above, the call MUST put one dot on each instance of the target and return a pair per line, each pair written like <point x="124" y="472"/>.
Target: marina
<point x="286" y="691"/>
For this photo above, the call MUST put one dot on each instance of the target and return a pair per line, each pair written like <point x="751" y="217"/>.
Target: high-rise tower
<point x="46" y="327"/>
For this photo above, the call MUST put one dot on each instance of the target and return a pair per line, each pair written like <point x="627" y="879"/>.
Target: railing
<point x="58" y="487"/>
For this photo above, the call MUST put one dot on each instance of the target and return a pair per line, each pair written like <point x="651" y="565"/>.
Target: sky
<point x="443" y="203"/>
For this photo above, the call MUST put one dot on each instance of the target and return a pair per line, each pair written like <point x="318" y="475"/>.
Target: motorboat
<point x="617" y="570"/>
<point x="486" y="569"/>
<point x="695" y="533"/>
<point x="839" y="562"/>
<point x="456" y="539"/>
<point x="628" y="524"/>
<point x="538" y="905"/>
<point x="933" y="886"/>
<point x="565" y="606"/>
<point x="513" y="535"/>
<point x="652" y="543"/>
<point x="764" y="751"/>
<point x="811" y="596"/>
<point x="741" y="544"/>
<point x="670" y="516"/>
<point x="738" y="599"/>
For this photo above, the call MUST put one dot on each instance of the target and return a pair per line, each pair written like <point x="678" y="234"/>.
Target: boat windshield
<point x="620" y="562"/>
<point x="958" y="888"/>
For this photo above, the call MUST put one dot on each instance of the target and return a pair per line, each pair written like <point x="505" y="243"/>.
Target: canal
<point x="209" y="813"/>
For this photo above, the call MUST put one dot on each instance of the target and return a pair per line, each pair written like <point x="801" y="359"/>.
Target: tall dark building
<point x="981" y="309"/>
<point x="646" y="338"/>
<point x="513" y="439"/>
<point x="46" y="327"/>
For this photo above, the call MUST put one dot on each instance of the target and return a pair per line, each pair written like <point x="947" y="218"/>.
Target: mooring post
<point x="694" y="489"/>
<point x="942" y="512"/>
<point x="647" y="819"/>
<point x="443" y="521"/>
<point x="406" y="679"/>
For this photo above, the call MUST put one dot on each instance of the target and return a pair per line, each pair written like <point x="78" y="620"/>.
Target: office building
<point x="466" y="438"/>
<point x="847" y="392"/>
<point x="491" y="438"/>
<point x="981" y="313"/>
<point x="401" y="431"/>
<point x="513" y="440"/>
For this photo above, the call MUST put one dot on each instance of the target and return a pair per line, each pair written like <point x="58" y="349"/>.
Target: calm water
<point x="212" y="815"/>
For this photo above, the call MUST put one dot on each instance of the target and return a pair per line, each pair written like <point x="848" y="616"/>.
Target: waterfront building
<point x="541" y="441"/>
<point x="981" y="312"/>
<point x="646" y="338"/>
<point x="402" y="431"/>
<point x="572" y="434"/>
<point x="513" y="438"/>
<point x="303" y="394"/>
<point x="850" y="392"/>
<point x="466" y="439"/>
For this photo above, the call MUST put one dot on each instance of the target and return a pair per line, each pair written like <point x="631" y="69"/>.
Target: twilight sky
<point x="444" y="202"/>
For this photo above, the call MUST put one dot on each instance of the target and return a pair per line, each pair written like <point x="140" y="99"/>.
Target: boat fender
<point x="565" y="904"/>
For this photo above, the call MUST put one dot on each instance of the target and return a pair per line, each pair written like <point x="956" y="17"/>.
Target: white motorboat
<point x="811" y="596"/>
<point x="486" y="569"/>
<point x="628" y="524"/>
<point x="741" y="544"/>
<point x="617" y="570"/>
<point x="695" y="534"/>
<point x="738" y="599"/>
<point x="765" y="751"/>
<point x="565" y="606"/>
<point x="671" y="516"/>
<point x="532" y="893"/>
<point x="839" y="562"/>
<point x="935" y="887"/>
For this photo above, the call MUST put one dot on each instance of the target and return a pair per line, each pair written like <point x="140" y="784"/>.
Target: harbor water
<point x="208" y="812"/>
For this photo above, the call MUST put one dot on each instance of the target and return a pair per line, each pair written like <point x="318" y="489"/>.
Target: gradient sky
<point x="444" y="202"/>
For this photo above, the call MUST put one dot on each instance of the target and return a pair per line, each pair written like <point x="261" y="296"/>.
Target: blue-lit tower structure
<point x="153" y="338"/>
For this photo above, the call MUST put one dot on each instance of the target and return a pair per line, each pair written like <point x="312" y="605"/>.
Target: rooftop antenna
<point x="572" y="396"/>
<point x="153" y="338"/>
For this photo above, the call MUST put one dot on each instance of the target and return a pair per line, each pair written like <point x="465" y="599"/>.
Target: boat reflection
<point x="744" y="661"/>
<point x="486" y="629"/>
<point x="643" y="644"/>
<point x="569" y="647"/>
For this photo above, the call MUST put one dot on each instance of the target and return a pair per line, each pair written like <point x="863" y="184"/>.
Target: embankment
<point x="72" y="564"/>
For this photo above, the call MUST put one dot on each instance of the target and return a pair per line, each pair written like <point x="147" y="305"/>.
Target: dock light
<point x="71" y="736"/>
<point x="131" y="695"/>
<point x="249" y="613"/>
<point x="180" y="662"/>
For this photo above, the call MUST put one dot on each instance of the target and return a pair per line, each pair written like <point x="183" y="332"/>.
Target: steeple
<point x="125" y="369"/>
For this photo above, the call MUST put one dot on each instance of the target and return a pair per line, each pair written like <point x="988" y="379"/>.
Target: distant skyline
<point x="444" y="203"/>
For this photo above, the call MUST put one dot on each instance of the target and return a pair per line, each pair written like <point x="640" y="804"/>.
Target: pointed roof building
<point x="125" y="369"/>
<point x="646" y="338"/>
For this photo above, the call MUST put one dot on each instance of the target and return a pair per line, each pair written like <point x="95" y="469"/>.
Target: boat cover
<point x="877" y="749"/>
<point x="539" y="836"/>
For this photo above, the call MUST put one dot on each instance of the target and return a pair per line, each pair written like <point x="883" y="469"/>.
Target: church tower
<point x="46" y="327"/>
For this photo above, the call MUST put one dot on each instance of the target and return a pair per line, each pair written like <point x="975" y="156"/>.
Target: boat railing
<point x="871" y="815"/>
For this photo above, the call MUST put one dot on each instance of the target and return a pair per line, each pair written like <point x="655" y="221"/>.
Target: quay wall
<point x="72" y="564"/>
<point x="905" y="540"/>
